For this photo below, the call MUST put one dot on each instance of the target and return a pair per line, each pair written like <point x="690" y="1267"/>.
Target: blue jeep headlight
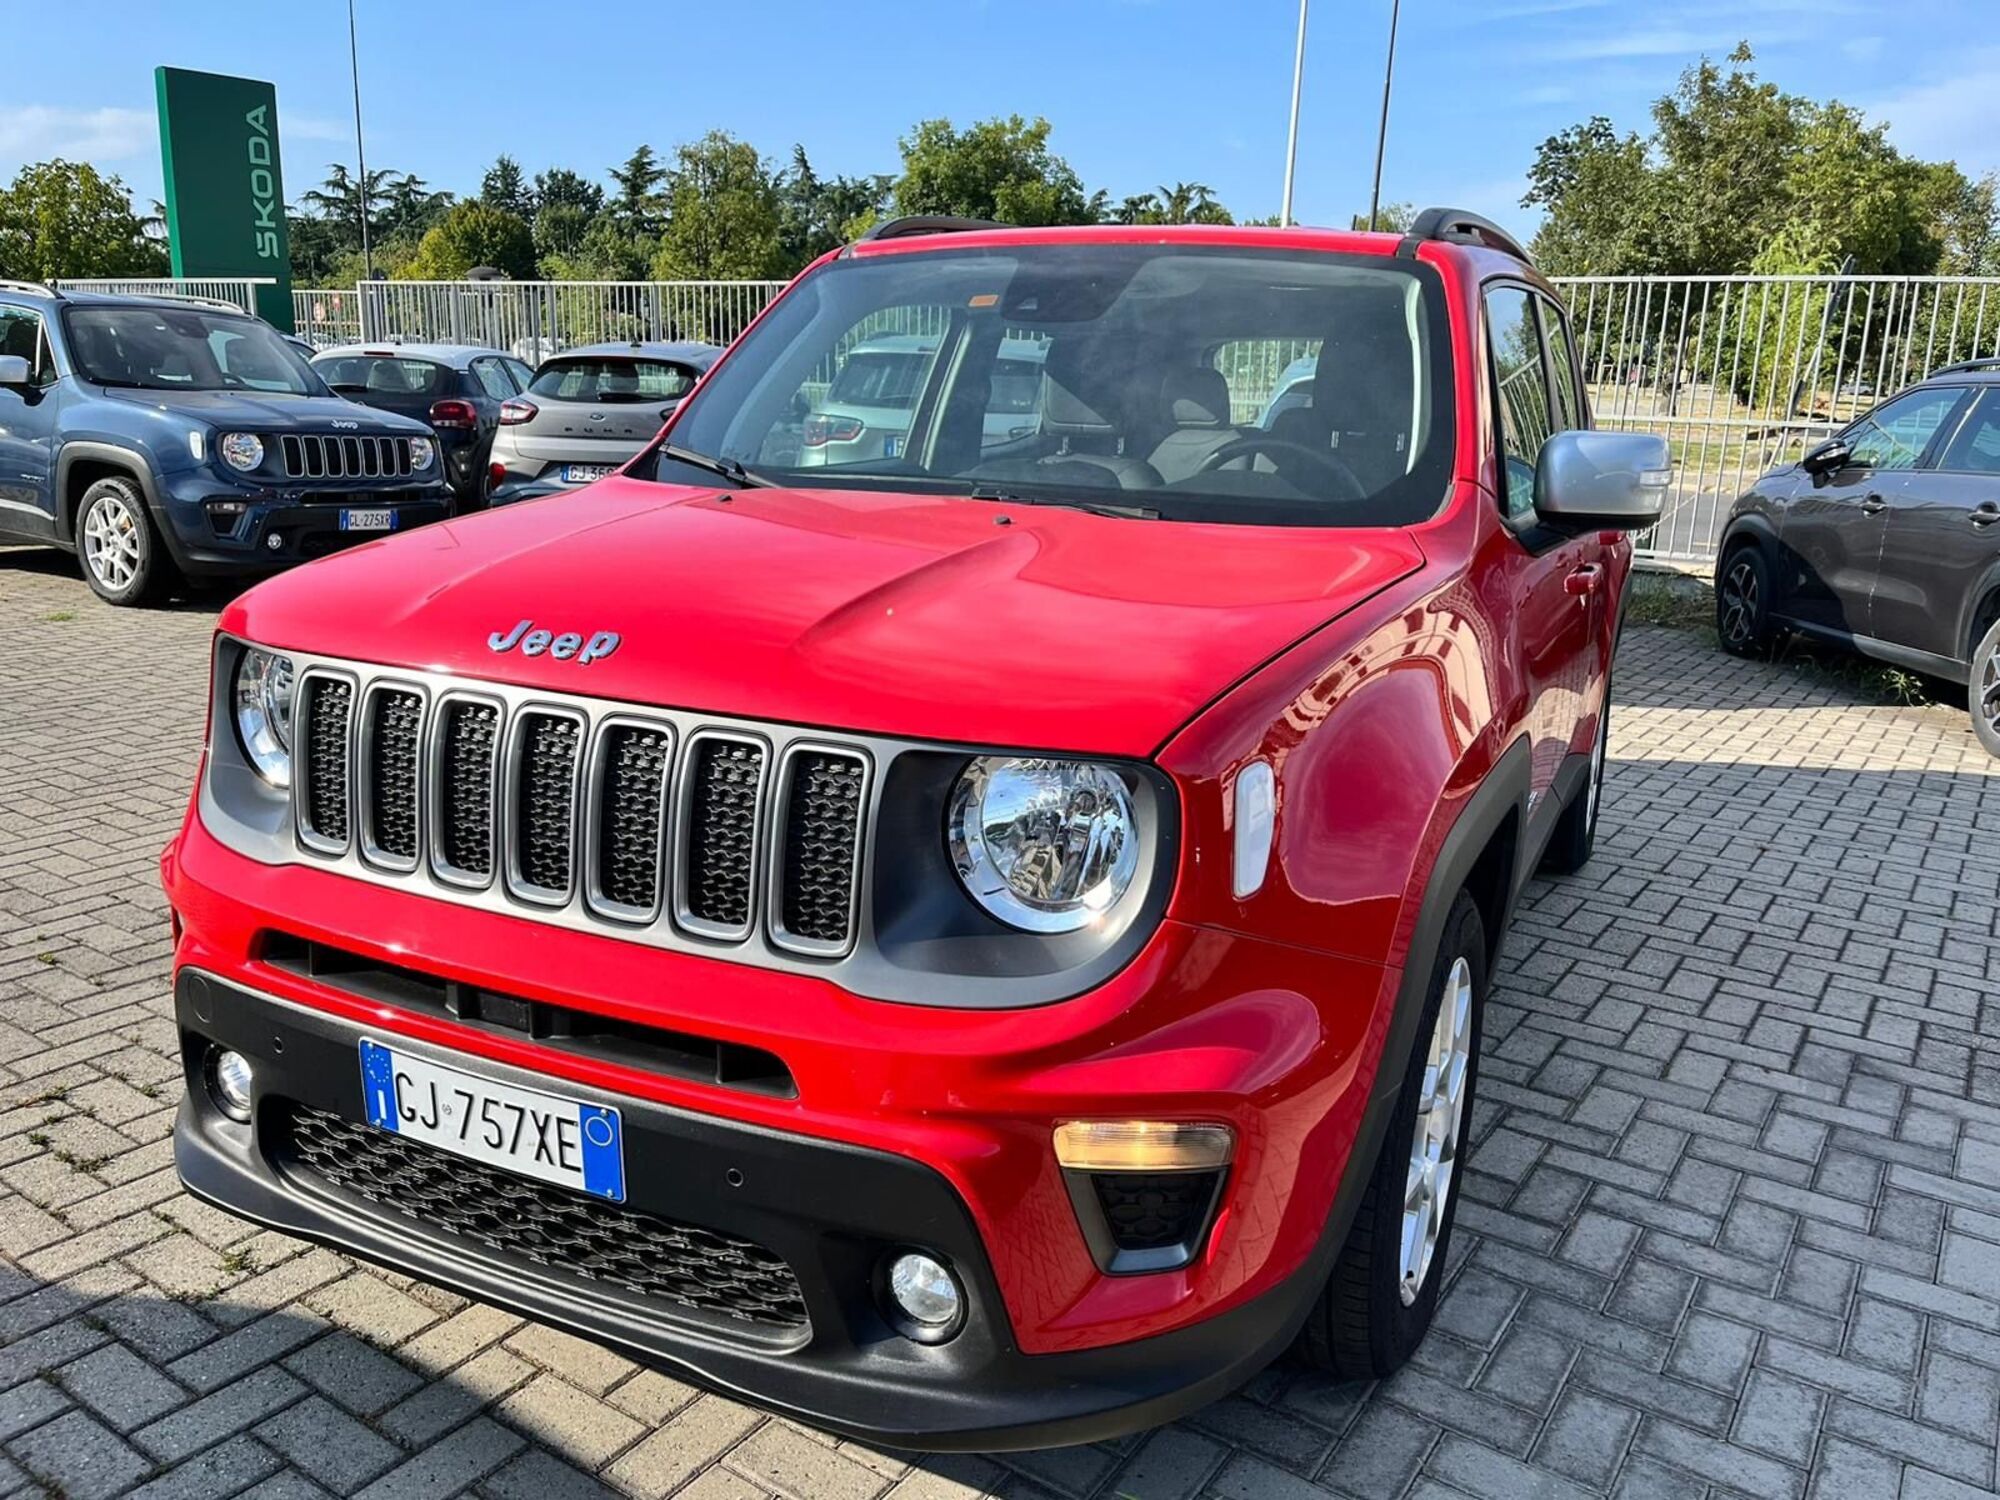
<point x="242" y="451"/>
<point x="421" y="452"/>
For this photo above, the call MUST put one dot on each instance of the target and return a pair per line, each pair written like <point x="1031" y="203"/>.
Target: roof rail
<point x="909" y="224"/>
<point x="221" y="303"/>
<point x="39" y="288"/>
<point x="1965" y="366"/>
<point x="1460" y="227"/>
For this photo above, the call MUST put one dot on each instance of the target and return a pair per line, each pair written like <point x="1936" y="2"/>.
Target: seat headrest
<point x="1195" y="396"/>
<point x="1072" y="371"/>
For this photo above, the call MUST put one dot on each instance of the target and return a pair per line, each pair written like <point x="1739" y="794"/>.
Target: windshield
<point x="185" y="349"/>
<point x="1139" y="376"/>
<point x="613" y="380"/>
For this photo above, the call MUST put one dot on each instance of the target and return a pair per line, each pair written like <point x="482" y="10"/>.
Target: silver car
<point x="587" y="412"/>
<point x="865" y="413"/>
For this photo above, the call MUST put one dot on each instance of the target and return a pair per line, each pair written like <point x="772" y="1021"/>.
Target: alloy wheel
<point x="1596" y="785"/>
<point x="1739" y="603"/>
<point x="1434" y="1141"/>
<point x="111" y="542"/>
<point x="1989" y="691"/>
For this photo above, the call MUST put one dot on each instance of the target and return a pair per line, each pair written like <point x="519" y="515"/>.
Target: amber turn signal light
<point x="1142" y="1146"/>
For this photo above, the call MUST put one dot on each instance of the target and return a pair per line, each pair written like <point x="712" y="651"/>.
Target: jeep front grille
<point x="616" y="818"/>
<point x="335" y="455"/>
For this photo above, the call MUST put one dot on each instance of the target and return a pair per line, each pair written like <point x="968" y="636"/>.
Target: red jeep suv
<point x="980" y="942"/>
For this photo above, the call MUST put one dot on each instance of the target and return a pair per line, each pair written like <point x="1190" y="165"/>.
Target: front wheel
<point x="123" y="559"/>
<point x="1743" y="603"/>
<point x="1378" y="1304"/>
<point x="1575" y="837"/>
<point x="1984" y="694"/>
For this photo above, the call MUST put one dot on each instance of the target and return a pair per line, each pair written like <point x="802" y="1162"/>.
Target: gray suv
<point x="1886" y="538"/>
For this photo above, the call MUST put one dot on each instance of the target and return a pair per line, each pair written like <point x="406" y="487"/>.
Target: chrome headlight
<point x="422" y="451"/>
<point x="243" y="451"/>
<point x="1044" y="845"/>
<point x="263" y="695"/>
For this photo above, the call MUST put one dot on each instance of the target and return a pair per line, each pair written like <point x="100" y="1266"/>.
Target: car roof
<point x="685" y="351"/>
<point x="458" y="356"/>
<point x="28" y="292"/>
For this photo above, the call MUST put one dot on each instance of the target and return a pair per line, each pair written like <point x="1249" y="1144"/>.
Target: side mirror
<point x="13" y="370"/>
<point x="1610" y="479"/>
<point x="1827" y="458"/>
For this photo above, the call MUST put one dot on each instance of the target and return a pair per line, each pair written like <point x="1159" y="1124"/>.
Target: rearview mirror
<point x="1611" y="479"/>
<point x="1827" y="457"/>
<point x="13" y="370"/>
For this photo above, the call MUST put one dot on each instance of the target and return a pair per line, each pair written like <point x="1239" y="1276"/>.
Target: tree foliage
<point x="472" y="234"/>
<point x="61" y="218"/>
<point x="725" y="215"/>
<point x="995" y="169"/>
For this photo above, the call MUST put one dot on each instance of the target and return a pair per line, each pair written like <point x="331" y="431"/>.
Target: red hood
<point x="908" y="615"/>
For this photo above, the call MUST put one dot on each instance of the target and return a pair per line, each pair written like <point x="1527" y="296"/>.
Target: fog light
<point x="925" y="1292"/>
<point x="229" y="1082"/>
<point x="275" y="541"/>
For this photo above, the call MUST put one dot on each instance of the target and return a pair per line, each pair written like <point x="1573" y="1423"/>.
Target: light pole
<point x="1382" y="133"/>
<point x="360" y="158"/>
<point x="1292" y="141"/>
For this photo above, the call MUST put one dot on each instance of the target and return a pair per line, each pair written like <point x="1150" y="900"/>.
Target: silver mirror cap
<point x="1610" y="479"/>
<point x="13" y="370"/>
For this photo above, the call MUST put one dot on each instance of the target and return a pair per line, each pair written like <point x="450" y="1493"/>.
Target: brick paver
<point x="1732" y="1224"/>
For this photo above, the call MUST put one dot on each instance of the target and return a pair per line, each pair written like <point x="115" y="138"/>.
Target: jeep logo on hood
<point x="533" y="642"/>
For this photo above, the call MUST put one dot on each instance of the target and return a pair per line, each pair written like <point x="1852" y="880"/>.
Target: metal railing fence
<point x="240" y="290"/>
<point x="533" y="319"/>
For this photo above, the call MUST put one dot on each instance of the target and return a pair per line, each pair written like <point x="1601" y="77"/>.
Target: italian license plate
<point x="585" y="473"/>
<point x="368" y="520"/>
<point x="544" y="1136"/>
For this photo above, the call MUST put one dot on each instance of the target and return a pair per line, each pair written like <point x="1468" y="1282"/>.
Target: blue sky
<point x="1140" y="91"/>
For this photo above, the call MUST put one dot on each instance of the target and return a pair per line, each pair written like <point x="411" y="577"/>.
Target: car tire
<point x="1575" y="837"/>
<point x="1743" y="603"/>
<point x="123" y="559"/>
<point x="1379" y="1301"/>
<point x="1983" y="695"/>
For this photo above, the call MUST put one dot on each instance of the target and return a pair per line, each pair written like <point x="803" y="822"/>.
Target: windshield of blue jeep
<point x="1145" y="378"/>
<point x="185" y="349"/>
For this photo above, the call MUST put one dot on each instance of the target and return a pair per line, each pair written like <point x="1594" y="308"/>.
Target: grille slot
<point x="724" y="782"/>
<point x="313" y="455"/>
<point x="704" y="1271"/>
<point x="468" y="743"/>
<point x="819" y="848"/>
<point x="629" y="818"/>
<point x="324" y="807"/>
<point x="547" y="751"/>
<point x="391" y="750"/>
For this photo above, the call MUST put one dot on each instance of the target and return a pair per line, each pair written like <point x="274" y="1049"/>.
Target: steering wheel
<point x="1264" y="442"/>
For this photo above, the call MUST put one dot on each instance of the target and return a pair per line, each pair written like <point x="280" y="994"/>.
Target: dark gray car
<point x="1885" y="537"/>
<point x="587" y="411"/>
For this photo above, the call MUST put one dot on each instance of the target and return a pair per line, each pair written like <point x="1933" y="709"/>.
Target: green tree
<point x="1390" y="218"/>
<point x="561" y="186"/>
<point x="505" y="186"/>
<point x="61" y="218"/>
<point x="607" y="252"/>
<point x="725" y="215"/>
<point x="473" y="234"/>
<point x="409" y="207"/>
<point x="822" y="213"/>
<point x="1191" y="203"/>
<point x="636" y="202"/>
<point x="1597" y="188"/>
<point x="997" y="169"/>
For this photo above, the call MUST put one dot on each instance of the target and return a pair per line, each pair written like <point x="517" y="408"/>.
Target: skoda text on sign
<point x="225" y="190"/>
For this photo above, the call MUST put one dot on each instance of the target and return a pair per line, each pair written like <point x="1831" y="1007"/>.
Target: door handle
<point x="1873" y="505"/>
<point x="1986" y="515"/>
<point x="1583" y="581"/>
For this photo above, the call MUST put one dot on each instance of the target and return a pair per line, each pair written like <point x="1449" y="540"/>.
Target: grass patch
<point x="1670" y="600"/>
<point x="60" y="616"/>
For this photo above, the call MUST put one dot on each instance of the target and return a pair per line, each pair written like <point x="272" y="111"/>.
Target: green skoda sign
<point x="225" y="192"/>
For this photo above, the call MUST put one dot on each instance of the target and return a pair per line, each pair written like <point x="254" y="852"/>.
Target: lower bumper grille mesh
<point x="699" y="1269"/>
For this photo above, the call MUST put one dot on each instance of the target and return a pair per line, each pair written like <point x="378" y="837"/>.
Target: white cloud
<point x="36" y="132"/>
<point x="1955" y="117"/>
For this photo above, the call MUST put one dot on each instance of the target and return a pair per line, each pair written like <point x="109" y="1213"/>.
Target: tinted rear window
<point x="383" y="375"/>
<point x="613" y="380"/>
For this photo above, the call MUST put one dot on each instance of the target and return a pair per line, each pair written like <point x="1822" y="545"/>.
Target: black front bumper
<point x="831" y="1211"/>
<point x="281" y="529"/>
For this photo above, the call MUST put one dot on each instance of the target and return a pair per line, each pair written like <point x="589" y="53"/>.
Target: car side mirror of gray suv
<point x="13" y="370"/>
<point x="1610" y="479"/>
<point x="1827" y="457"/>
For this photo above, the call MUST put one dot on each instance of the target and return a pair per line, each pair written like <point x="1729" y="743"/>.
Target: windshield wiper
<point x="722" y="468"/>
<point x="1094" y="507"/>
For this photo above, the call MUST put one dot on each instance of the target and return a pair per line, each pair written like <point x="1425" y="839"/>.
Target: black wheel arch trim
<point x="1973" y="623"/>
<point x="137" y="467"/>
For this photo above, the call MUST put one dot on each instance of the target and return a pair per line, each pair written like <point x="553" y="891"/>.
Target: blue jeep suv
<point x="158" y="436"/>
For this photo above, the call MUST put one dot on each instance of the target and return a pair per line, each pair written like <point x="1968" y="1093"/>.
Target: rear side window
<point x="874" y="377"/>
<point x="21" y="333"/>
<point x="1976" y="447"/>
<point x="383" y="375"/>
<point x="614" y="380"/>
<point x="493" y="379"/>
<point x="1515" y="337"/>
<point x="1895" y="435"/>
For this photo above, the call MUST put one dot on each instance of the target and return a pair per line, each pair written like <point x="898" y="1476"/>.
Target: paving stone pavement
<point x="1732" y="1225"/>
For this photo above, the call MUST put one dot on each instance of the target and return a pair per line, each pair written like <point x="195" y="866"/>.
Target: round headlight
<point x="422" y="451"/>
<point x="264" y="714"/>
<point x="1044" y="845"/>
<point x="241" y="450"/>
